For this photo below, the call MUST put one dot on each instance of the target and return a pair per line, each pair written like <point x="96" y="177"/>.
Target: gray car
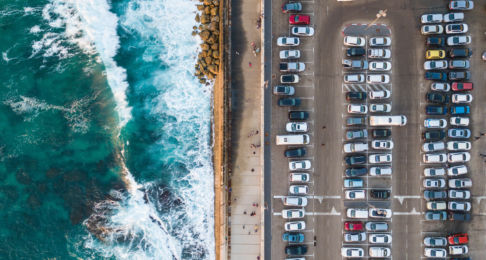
<point x="356" y="134"/>
<point x="458" y="64"/>
<point x="435" y="215"/>
<point x="435" y="241"/>
<point x="376" y="226"/>
<point x="435" y="194"/>
<point x="283" y="90"/>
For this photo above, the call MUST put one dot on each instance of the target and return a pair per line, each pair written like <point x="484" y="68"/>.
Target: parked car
<point x="435" y="158"/>
<point x="284" y="90"/>
<point x="355" y="237"/>
<point x="462" y="86"/>
<point x="355" y="64"/>
<point x="466" y="217"/>
<point x="381" y="132"/>
<point x="295" y="153"/>
<point x="435" y="194"/>
<point x="434" y="183"/>
<point x="380" y="158"/>
<point x="353" y="183"/>
<point x="439" y="86"/>
<point x="380" y="65"/>
<point x="459" y="110"/>
<point x="296" y="250"/>
<point x="434" y="54"/>
<point x="459" y="64"/>
<point x="458" y="145"/>
<point x="435" y="215"/>
<point x="462" y="98"/>
<point x="437" y="98"/>
<point x="355" y="159"/>
<point x="352" y="252"/>
<point x="289" y="54"/>
<point x="459" y="121"/>
<point x="439" y="76"/>
<point x="433" y="146"/>
<point x="295" y="201"/>
<point x="435" y="241"/>
<point x="458" y="239"/>
<point x="299" y="165"/>
<point x="291" y="7"/>
<point x="431" y="18"/>
<point x="379" y="53"/>
<point x="289" y="102"/>
<point x="379" y="252"/>
<point x="453" y="17"/>
<point x="435" y="123"/>
<point x="376" y="226"/>
<point x="353" y="134"/>
<point x="298" y="115"/>
<point x="293" y="237"/>
<point x="459" y="206"/>
<point x="380" y="194"/>
<point x="435" y="110"/>
<point x="297" y="127"/>
<point x="355" y="95"/>
<point x="458" y="157"/>
<point x="432" y="29"/>
<point x="458" y="250"/>
<point x="460" y="183"/>
<point x="383" y="108"/>
<point x="356" y="213"/>
<point x="460" y="75"/>
<point x="433" y="135"/>
<point x="299" y="19"/>
<point x="457" y="170"/>
<point x="380" y="213"/>
<point x="380" y="94"/>
<point x="354" y="78"/>
<point x="355" y="194"/>
<point x="294" y="226"/>
<point x="378" y="78"/>
<point x="359" y="121"/>
<point x="461" y="5"/>
<point x="293" y="213"/>
<point x="459" y="194"/>
<point x="355" y="147"/>
<point x="354" y="41"/>
<point x="382" y="144"/>
<point x="434" y="171"/>
<point x="436" y="205"/>
<point x="435" y="41"/>
<point x="459" y="133"/>
<point x="455" y="53"/>
<point x="298" y="189"/>
<point x="299" y="177"/>
<point x="288" y="41"/>
<point x="355" y="52"/>
<point x="456" y="28"/>
<point x="380" y="41"/>
<point x="357" y="109"/>
<point x="435" y="252"/>
<point x="435" y="65"/>
<point x="289" y="79"/>
<point x="353" y="225"/>
<point x="303" y="31"/>
<point x="380" y="171"/>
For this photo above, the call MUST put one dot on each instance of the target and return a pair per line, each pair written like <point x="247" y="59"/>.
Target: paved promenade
<point x="245" y="243"/>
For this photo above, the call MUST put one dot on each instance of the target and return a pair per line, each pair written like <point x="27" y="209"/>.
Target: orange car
<point x="458" y="239"/>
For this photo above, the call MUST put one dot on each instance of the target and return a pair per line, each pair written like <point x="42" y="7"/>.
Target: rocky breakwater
<point x="208" y="59"/>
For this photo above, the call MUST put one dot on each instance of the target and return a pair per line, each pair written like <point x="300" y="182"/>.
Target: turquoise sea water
<point x="104" y="132"/>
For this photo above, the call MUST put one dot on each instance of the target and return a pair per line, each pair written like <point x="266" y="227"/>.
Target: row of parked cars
<point x="378" y="56"/>
<point x="296" y="129"/>
<point x="435" y="67"/>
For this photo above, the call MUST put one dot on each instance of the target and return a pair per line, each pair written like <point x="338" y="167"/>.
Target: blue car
<point x="439" y="76"/>
<point x="293" y="237"/>
<point x="435" y="110"/>
<point x="460" y="110"/>
<point x="353" y="183"/>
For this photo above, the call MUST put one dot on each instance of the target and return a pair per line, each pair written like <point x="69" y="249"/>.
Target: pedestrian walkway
<point x="244" y="242"/>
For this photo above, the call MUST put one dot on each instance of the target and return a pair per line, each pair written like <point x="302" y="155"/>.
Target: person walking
<point x="323" y="127"/>
<point x="322" y="145"/>
<point x="476" y="138"/>
<point x="481" y="134"/>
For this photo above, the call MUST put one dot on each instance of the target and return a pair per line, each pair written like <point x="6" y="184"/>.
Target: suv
<point x="299" y="115"/>
<point x="437" y="98"/>
<point x="355" y="52"/>
<point x="435" y="41"/>
<point x="453" y="53"/>
<point x="435" y="194"/>
<point x="380" y="194"/>
<point x="295" y="250"/>
<point x="459" y="75"/>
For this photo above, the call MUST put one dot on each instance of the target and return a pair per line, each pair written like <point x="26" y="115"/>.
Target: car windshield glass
<point x="456" y="240"/>
<point x="307" y="30"/>
<point x="352" y="195"/>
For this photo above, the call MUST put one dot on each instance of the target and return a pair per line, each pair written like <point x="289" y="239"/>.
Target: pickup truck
<point x="292" y="66"/>
<point x="379" y="53"/>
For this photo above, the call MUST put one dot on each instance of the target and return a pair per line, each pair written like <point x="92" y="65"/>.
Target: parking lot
<point x="322" y="92"/>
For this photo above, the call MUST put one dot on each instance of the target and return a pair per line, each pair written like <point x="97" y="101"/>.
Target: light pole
<point x="380" y="14"/>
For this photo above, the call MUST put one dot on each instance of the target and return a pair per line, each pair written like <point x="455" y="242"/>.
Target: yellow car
<point x="435" y="54"/>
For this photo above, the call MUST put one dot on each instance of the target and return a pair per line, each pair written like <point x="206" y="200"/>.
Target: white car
<point x="458" y="145"/>
<point x="435" y="123"/>
<point x="457" y="170"/>
<point x="288" y="41"/>
<point x="299" y="177"/>
<point x="380" y="213"/>
<point x="380" y="94"/>
<point x="435" y="158"/>
<point x="457" y="205"/>
<point x="431" y="18"/>
<point x="435" y="252"/>
<point x="298" y="189"/>
<point x="295" y="226"/>
<point x="298" y="165"/>
<point x="354" y="41"/>
<point x="379" y="252"/>
<point x="356" y="213"/>
<point x="432" y="29"/>
<point x="303" y="31"/>
<point x="459" y="194"/>
<point x="458" y="250"/>
<point x="378" y="78"/>
<point x="354" y="78"/>
<point x="459" y="121"/>
<point x="458" y="40"/>
<point x="379" y="53"/>
<point x="462" y="98"/>
<point x="351" y="252"/>
<point x="458" y="157"/>
<point x="380" y="65"/>
<point x="380" y="158"/>
<point x="380" y="108"/>
<point x="461" y="5"/>
<point x="436" y="205"/>
<point x="297" y="127"/>
<point x="435" y="65"/>
<point x="380" y="41"/>
<point x="434" y="183"/>
<point x="355" y="237"/>
<point x="357" y="109"/>
<point x="355" y="194"/>
<point x="456" y="28"/>
<point x="443" y="87"/>
<point x="292" y="54"/>
<point x="382" y="144"/>
<point x="293" y="213"/>
<point x="355" y="147"/>
<point x="379" y="171"/>
<point x="434" y="172"/>
<point x="295" y="201"/>
<point x="453" y="17"/>
<point x="460" y="183"/>
<point x="380" y="239"/>
<point x="435" y="241"/>
<point x="433" y="146"/>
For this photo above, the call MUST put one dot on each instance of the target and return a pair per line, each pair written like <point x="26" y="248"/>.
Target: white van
<point x="357" y="213"/>
<point x="388" y="120"/>
<point x="292" y="139"/>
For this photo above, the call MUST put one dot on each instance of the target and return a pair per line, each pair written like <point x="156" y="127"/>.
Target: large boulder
<point x="208" y="2"/>
<point x="211" y="76"/>
<point x="203" y="81"/>
<point x="200" y="7"/>
<point x="203" y="64"/>
<point x="194" y="33"/>
<point x="213" y="69"/>
<point x="216" y="61"/>
<point x="215" y="18"/>
<point x="207" y="10"/>
<point x="216" y="32"/>
<point x="215" y="2"/>
<point x="198" y="18"/>
<point x="201" y="28"/>
<point x="215" y="46"/>
<point x="216" y="54"/>
<point x="204" y="35"/>
<point x="210" y="40"/>
<point x="208" y="59"/>
<point x="209" y="53"/>
<point x="205" y="47"/>
<point x="214" y="11"/>
<point x="204" y="19"/>
<point x="211" y="26"/>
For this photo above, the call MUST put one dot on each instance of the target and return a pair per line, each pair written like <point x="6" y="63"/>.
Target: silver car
<point x="432" y="29"/>
<point x="459" y="194"/>
<point x="290" y="54"/>
<point x="434" y="171"/>
<point x="288" y="41"/>
<point x="431" y="18"/>
<point x="380" y="239"/>
<point x="354" y="78"/>
<point x="435" y="241"/>
<point x="380" y="41"/>
<point x="297" y="127"/>
<point x="435" y="65"/>
<point x="433" y="146"/>
<point x="376" y="226"/>
<point x="380" y="65"/>
<point x="456" y="28"/>
<point x="457" y="170"/>
<point x="453" y="17"/>
<point x="303" y="31"/>
<point x="355" y="237"/>
<point x="298" y="189"/>
<point x="458" y="40"/>
<point x="434" y="183"/>
<point x="443" y="87"/>
<point x="459" y="121"/>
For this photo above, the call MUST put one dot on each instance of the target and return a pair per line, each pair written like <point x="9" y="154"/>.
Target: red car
<point x="458" y="239"/>
<point x="459" y="86"/>
<point x="299" y="19"/>
<point x="353" y="225"/>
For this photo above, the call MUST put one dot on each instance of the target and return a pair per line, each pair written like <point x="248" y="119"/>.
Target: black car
<point x="433" y="135"/>
<point x="435" y="194"/>
<point x="380" y="194"/>
<point x="381" y="132"/>
<point x="437" y="98"/>
<point x="356" y="159"/>
<point x="353" y="172"/>
<point x="464" y="258"/>
<point x="355" y="95"/>
<point x="439" y="76"/>
<point x="299" y="115"/>
<point x="466" y="217"/>
<point x="289" y="102"/>
<point x="295" y="153"/>
<point x="435" y="41"/>
<point x="435" y="110"/>
<point x="454" y="53"/>
<point x="355" y="52"/>
<point x="459" y="75"/>
<point x="295" y="250"/>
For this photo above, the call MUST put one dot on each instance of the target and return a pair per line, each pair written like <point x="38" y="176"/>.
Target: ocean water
<point x="104" y="132"/>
